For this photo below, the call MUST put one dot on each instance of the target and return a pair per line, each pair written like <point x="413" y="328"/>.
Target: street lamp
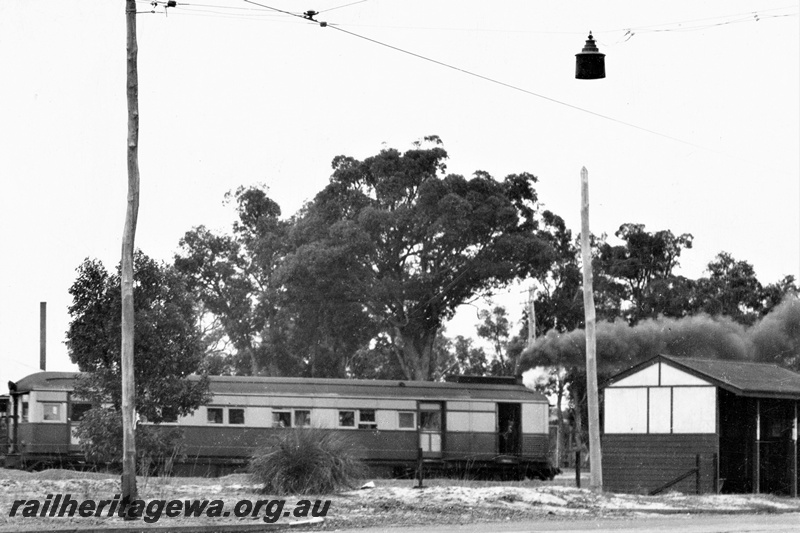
<point x="590" y="64"/>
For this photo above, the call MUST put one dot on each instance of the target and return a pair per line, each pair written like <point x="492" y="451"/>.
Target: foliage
<point x="274" y="301"/>
<point x="495" y="328"/>
<point x="100" y="437"/>
<point x="223" y="278"/>
<point x="639" y="272"/>
<point x="470" y="360"/>
<point x="167" y="347"/>
<point x="558" y="301"/>
<point x="732" y="289"/>
<point x="372" y="267"/>
<point x="413" y="244"/>
<point x="306" y="461"/>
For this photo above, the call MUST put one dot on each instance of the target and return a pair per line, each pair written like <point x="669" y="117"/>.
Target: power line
<point x="298" y="15"/>
<point x="515" y="87"/>
<point x="345" y="5"/>
<point x="751" y="16"/>
<point x="681" y="23"/>
<point x="308" y="17"/>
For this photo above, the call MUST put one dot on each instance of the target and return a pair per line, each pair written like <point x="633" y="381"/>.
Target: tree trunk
<point x="415" y="354"/>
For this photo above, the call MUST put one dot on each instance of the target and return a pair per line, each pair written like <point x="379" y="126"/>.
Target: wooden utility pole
<point x="596" y="480"/>
<point x="531" y="329"/>
<point x="531" y="318"/>
<point x="128" y="236"/>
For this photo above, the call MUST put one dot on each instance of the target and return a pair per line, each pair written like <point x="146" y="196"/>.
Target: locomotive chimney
<point x="43" y="336"/>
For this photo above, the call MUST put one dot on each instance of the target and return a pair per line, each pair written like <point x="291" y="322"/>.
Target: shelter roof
<point x="739" y="377"/>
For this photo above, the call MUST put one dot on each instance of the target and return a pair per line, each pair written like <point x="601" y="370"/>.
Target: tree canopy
<point x="168" y="343"/>
<point x="382" y="256"/>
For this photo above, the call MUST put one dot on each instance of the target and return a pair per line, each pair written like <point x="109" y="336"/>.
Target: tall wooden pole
<point x="531" y="317"/>
<point x="793" y="491"/>
<point x="129" y="233"/>
<point x="531" y="328"/>
<point x="596" y="480"/>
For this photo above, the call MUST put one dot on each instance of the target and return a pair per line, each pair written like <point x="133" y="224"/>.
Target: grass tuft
<point x="306" y="461"/>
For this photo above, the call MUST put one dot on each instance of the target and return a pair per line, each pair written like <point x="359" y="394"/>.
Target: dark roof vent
<point x="485" y="380"/>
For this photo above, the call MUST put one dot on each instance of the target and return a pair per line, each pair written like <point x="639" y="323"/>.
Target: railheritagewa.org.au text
<point x="63" y="505"/>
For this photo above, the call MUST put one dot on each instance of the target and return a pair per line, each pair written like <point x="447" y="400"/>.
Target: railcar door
<point x="76" y="413"/>
<point x="509" y="428"/>
<point x="431" y="428"/>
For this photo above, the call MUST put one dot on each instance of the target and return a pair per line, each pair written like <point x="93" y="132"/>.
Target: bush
<point x="100" y="437"/>
<point x="306" y="461"/>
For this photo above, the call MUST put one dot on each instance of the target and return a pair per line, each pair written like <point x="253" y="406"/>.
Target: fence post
<point x="419" y="468"/>
<point x="578" y="469"/>
<point x="697" y="474"/>
<point x="715" y="466"/>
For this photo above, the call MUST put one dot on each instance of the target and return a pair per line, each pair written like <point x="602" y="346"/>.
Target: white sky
<point x="236" y="97"/>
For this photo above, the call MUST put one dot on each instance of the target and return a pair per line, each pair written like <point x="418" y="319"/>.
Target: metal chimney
<point x="43" y="336"/>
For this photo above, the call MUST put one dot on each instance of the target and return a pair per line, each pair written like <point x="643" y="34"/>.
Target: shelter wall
<point x="640" y="463"/>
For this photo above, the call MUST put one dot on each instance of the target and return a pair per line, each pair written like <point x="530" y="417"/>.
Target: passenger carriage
<point x="481" y="424"/>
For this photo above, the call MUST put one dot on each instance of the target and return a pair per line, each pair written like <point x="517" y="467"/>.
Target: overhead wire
<point x="679" y="24"/>
<point x="514" y="87"/>
<point x="345" y="5"/>
<point x="308" y="17"/>
<point x="298" y="15"/>
<point x="750" y="16"/>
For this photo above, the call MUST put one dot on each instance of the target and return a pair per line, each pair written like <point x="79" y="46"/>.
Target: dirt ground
<point x="388" y="503"/>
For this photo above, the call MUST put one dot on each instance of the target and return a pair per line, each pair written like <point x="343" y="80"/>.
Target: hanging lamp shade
<point x="590" y="64"/>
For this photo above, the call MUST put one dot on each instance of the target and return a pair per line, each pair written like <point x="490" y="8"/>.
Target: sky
<point x="696" y="127"/>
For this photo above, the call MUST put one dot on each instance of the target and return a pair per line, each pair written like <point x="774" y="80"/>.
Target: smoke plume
<point x="773" y="339"/>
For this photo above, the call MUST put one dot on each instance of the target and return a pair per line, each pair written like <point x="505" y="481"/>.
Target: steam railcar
<point x="493" y="424"/>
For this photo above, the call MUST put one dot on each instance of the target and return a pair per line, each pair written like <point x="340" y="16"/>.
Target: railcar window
<point x="215" y="415"/>
<point x="24" y="411"/>
<point x="236" y="416"/>
<point x="52" y="412"/>
<point x="366" y="419"/>
<point x="79" y="411"/>
<point x="430" y="420"/>
<point x="302" y="419"/>
<point x="405" y="420"/>
<point x="281" y="419"/>
<point x="347" y="419"/>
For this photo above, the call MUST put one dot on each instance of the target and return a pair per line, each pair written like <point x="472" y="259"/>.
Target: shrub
<point x="306" y="461"/>
<point x="100" y="437"/>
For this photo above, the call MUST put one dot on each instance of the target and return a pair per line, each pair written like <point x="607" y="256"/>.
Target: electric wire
<point x="345" y="5"/>
<point x="680" y="23"/>
<point x="298" y="15"/>
<point x="308" y="17"/>
<point x="751" y="16"/>
<point x="630" y="31"/>
<point x="516" y="87"/>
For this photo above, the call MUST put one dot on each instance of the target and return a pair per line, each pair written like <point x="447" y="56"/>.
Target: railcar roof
<point x="324" y="387"/>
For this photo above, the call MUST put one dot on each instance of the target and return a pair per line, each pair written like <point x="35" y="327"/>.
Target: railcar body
<point x="468" y="423"/>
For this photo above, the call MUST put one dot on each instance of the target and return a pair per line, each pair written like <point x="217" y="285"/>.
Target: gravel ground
<point x="389" y="503"/>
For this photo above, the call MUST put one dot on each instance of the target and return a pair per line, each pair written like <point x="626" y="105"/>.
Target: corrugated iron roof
<point x="743" y="378"/>
<point x="324" y="387"/>
<point x="47" y="381"/>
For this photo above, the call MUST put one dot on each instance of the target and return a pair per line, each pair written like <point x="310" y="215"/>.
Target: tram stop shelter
<point x="701" y="425"/>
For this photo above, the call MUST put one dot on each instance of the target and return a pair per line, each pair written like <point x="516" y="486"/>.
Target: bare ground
<point x="390" y="503"/>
